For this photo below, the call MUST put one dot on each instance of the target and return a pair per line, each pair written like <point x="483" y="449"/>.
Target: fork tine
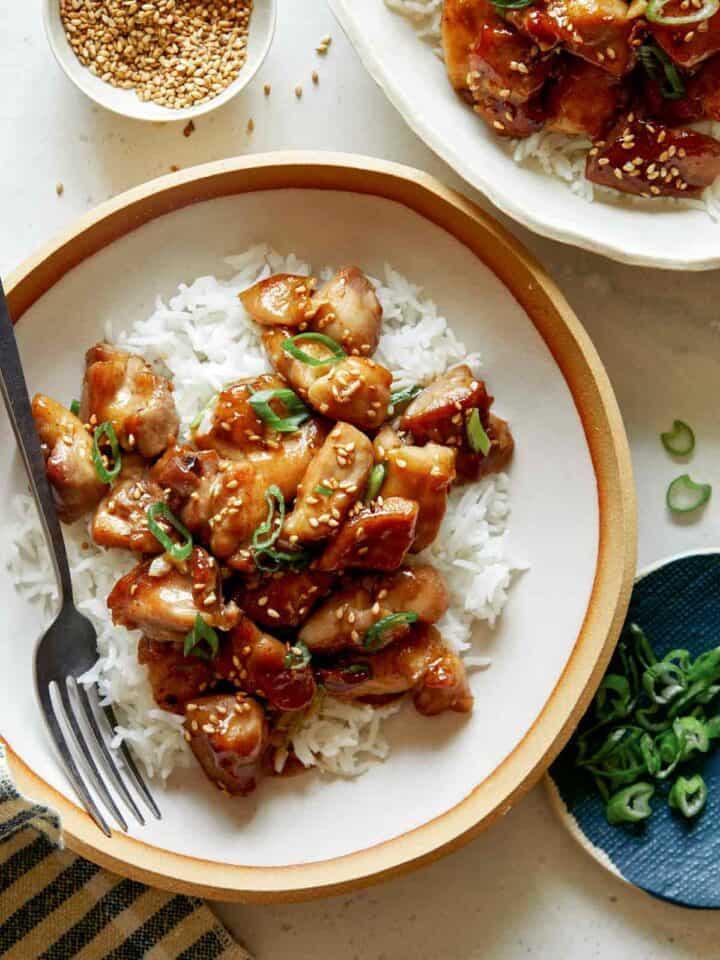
<point x="110" y="764"/>
<point x="132" y="766"/>
<point x="67" y="758"/>
<point x="98" y="781"/>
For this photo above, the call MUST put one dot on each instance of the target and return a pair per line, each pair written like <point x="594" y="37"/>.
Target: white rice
<point x="558" y="154"/>
<point x="204" y="338"/>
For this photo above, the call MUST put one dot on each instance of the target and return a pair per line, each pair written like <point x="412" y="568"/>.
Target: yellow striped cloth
<point x="55" y="905"/>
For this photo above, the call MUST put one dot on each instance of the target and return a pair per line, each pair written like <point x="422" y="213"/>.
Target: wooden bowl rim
<point x="605" y="434"/>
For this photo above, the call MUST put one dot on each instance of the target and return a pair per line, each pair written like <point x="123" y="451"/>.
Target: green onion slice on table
<point x="631" y="804"/>
<point x="178" y="551"/>
<point x="335" y="355"/>
<point x="375" y="637"/>
<point x="106" y="433"/>
<point x="296" y="411"/>
<point x="201" y="641"/>
<point x="479" y="441"/>
<point x="684" y="495"/>
<point x="375" y="481"/>
<point x="298" y="656"/>
<point x="688" y="795"/>
<point x="654" y="13"/>
<point x="680" y="441"/>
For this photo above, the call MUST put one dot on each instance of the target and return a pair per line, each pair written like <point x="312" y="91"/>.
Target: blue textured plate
<point x="677" y="603"/>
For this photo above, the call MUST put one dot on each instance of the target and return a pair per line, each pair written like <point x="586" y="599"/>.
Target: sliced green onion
<point x="663" y="682"/>
<point x="375" y="481"/>
<point x="479" y="441"/>
<point x="75" y="408"/>
<point x="688" y="795"/>
<point x="298" y="656"/>
<point x="374" y="639"/>
<point x="336" y="351"/>
<point x="358" y="668"/>
<point x="643" y="648"/>
<point x="512" y="4"/>
<point x="106" y="475"/>
<point x="297" y="412"/>
<point x="654" y="13"/>
<point x="713" y="728"/>
<point x="404" y="395"/>
<point x="694" y="735"/>
<point x="270" y="560"/>
<point x="179" y="551"/>
<point x="197" y="419"/>
<point x="655" y="61"/>
<point x="631" y="804"/>
<point x="670" y="745"/>
<point x="684" y="496"/>
<point x="272" y="524"/>
<point x="613" y="699"/>
<point x="323" y="491"/>
<point x="680" y="441"/>
<point x="201" y="634"/>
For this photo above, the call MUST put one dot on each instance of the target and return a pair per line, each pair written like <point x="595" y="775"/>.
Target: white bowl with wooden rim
<point x="126" y="102"/>
<point x="573" y="517"/>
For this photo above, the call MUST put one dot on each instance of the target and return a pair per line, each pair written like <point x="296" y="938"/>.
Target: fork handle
<point x="17" y="402"/>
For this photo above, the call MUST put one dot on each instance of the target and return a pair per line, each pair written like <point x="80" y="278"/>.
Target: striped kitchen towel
<point x="55" y="905"/>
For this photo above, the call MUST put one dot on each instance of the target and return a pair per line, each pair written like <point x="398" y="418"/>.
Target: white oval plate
<point x="413" y="78"/>
<point x="572" y="519"/>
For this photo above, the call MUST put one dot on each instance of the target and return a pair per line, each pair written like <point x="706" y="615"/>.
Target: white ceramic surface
<point x="554" y="524"/>
<point x="413" y="78"/>
<point x="126" y="102"/>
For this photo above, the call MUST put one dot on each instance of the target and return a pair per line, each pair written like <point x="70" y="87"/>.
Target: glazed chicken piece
<point x="422" y="474"/>
<point x="672" y="162"/>
<point x="490" y="63"/>
<point x="175" y="679"/>
<point x="121" y="517"/>
<point x="349" y="311"/>
<point x="234" y="429"/>
<point x="687" y="44"/>
<point x="471" y="465"/>
<point x="283" y="599"/>
<point x="437" y="414"/>
<point x="228" y="733"/>
<point x="375" y="537"/>
<point x="67" y="447"/>
<point x="343" y="620"/>
<point x="263" y="666"/>
<point x="334" y="480"/>
<point x="124" y="389"/>
<point x="164" y="602"/>
<point x="420" y="662"/>
<point x="701" y="100"/>
<point x="386" y="439"/>
<point x="355" y="390"/>
<point x="280" y="300"/>
<point x="600" y="31"/>
<point x="585" y="99"/>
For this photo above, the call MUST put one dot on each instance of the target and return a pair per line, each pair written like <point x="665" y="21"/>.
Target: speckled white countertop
<point x="523" y="888"/>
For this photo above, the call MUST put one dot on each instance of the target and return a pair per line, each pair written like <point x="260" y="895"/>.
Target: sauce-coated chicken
<point x="374" y="537"/>
<point x="163" y="601"/>
<point x="228" y="735"/>
<point x="121" y="517"/>
<point x="437" y="414"/>
<point x="284" y="599"/>
<point x="349" y="311"/>
<point x="343" y="620"/>
<point x="124" y="389"/>
<point x="687" y="44"/>
<point x="334" y="480"/>
<point x="281" y="300"/>
<point x="175" y="679"/>
<point x="67" y="447"/>
<point x="584" y="99"/>
<point x="420" y="662"/>
<point x="422" y="474"/>
<point x="471" y="466"/>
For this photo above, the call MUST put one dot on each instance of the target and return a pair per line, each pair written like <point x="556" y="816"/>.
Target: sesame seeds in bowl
<point x="160" y="60"/>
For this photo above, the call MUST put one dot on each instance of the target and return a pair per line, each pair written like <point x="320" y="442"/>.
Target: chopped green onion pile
<point x="178" y="551"/>
<point x="201" y="641"/>
<point x="479" y="441"/>
<point x="375" y="481"/>
<point x="684" y="495"/>
<point x="297" y="412"/>
<point x="380" y="633"/>
<point x="680" y="441"/>
<point x="105" y="434"/>
<point x="336" y="351"/>
<point x="651" y="717"/>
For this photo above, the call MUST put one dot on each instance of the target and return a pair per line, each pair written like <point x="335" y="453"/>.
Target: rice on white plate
<point x="203" y="338"/>
<point x="559" y="154"/>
